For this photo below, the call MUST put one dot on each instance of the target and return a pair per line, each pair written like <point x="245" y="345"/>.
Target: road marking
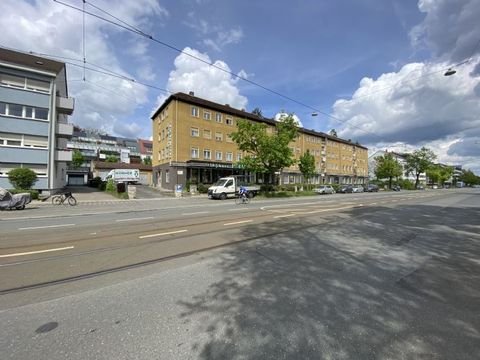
<point x="36" y="252"/>
<point x="373" y="204"/>
<point x="135" y="219"/>
<point x="282" y="216"/>
<point x="45" y="227"/>
<point x="196" y="213"/>
<point x="239" y="209"/>
<point x="162" y="234"/>
<point x="238" y="222"/>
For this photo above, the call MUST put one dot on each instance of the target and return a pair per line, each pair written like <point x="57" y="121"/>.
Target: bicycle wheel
<point x="246" y="199"/>
<point x="72" y="201"/>
<point x="238" y="200"/>
<point x="57" y="200"/>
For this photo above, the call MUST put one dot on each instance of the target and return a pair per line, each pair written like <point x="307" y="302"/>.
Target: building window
<point x="37" y="85"/>
<point x="24" y="83"/>
<point x="218" y="136"/>
<point x="194" y="132"/>
<point x="239" y="156"/>
<point x="218" y="155"/>
<point x="194" y="153"/>
<point x="229" y="121"/>
<point x="207" y="134"/>
<point x="3" y="108"/>
<point x="229" y="156"/>
<point x="207" y="115"/>
<point x="41" y="113"/>
<point x="194" y="111"/>
<point x="229" y="138"/>
<point x="15" y="110"/>
<point x="218" y="117"/>
<point x="167" y="176"/>
<point x="207" y="154"/>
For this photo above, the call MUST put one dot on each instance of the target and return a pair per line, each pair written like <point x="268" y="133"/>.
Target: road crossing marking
<point x="195" y="213"/>
<point x="282" y="216"/>
<point x="37" y="252"/>
<point x="162" y="234"/>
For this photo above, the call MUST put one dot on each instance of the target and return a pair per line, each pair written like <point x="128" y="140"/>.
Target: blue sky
<point x="375" y="66"/>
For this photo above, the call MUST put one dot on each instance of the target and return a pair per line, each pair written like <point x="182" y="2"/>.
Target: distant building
<point x="192" y="143"/>
<point x="402" y="160"/>
<point x="97" y="147"/>
<point x="34" y="109"/>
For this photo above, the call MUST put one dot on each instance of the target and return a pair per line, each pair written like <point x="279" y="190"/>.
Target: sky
<point x="371" y="69"/>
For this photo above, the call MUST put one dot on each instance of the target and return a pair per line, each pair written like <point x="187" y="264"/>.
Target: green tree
<point x="306" y="165"/>
<point x="147" y="160"/>
<point x="439" y="173"/>
<point x="22" y="178"/>
<point x="387" y="168"/>
<point x="469" y="178"/>
<point x="77" y="159"/>
<point x="333" y="132"/>
<point x="418" y="162"/>
<point x="111" y="159"/>
<point x="265" y="153"/>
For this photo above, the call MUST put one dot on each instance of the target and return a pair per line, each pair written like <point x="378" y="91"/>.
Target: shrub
<point x="406" y="184"/>
<point x="22" y="178"/>
<point x="335" y="187"/>
<point x="110" y="187"/>
<point x="33" y="193"/>
<point x="203" y="188"/>
<point x="266" y="188"/>
<point x="95" y="182"/>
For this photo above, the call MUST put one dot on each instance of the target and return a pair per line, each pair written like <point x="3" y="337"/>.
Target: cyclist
<point x="242" y="193"/>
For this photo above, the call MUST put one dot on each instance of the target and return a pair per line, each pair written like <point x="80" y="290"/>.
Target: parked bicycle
<point x="60" y="199"/>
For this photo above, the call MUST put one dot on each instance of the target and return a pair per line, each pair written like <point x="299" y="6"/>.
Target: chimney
<point x="191" y="93"/>
<point x="227" y="105"/>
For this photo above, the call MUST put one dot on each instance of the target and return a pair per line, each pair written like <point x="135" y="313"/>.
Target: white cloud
<point x="450" y="28"/>
<point x="50" y="28"/>
<point x="204" y="80"/>
<point x="232" y="36"/>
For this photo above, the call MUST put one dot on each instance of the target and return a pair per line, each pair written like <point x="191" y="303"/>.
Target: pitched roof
<point x="193" y="100"/>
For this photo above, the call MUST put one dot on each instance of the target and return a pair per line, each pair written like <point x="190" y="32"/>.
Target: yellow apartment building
<point x="191" y="142"/>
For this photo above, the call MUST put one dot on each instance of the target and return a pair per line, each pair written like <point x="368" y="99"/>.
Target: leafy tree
<point x="387" y="167"/>
<point x="468" y="177"/>
<point x="418" y="162"/>
<point x="333" y="132"/>
<point x="111" y="159"/>
<point x="265" y="153"/>
<point x="77" y="159"/>
<point x="307" y="165"/>
<point x="22" y="178"/>
<point x="147" y="160"/>
<point x="439" y="174"/>
<point x="257" y="111"/>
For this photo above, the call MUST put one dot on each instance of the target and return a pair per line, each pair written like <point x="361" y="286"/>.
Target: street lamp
<point x="450" y="72"/>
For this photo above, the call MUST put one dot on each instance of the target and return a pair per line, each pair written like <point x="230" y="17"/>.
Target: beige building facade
<point x="192" y="143"/>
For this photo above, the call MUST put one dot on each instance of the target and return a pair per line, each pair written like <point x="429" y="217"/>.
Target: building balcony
<point x="65" y="105"/>
<point x="64" y="130"/>
<point x="63" y="155"/>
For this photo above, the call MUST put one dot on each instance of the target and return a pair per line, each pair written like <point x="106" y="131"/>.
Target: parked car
<point x="324" y="189"/>
<point x="396" y="188"/>
<point x="17" y="201"/>
<point x="358" y="189"/>
<point x="345" y="189"/>
<point x="372" y="188"/>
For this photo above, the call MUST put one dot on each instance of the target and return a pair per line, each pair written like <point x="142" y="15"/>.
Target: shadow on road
<point x="372" y="283"/>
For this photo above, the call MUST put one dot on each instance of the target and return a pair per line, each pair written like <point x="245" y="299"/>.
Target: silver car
<point x="358" y="189"/>
<point x="324" y="189"/>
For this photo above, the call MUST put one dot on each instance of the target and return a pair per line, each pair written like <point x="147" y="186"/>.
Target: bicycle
<point x="61" y="198"/>
<point x="242" y="199"/>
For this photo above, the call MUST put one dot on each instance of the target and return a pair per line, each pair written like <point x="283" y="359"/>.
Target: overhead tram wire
<point x="150" y="37"/>
<point x="137" y="31"/>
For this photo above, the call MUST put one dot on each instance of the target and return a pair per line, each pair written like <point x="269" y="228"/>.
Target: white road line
<point x="135" y="219"/>
<point x="282" y="216"/>
<point x="36" y="252"/>
<point x="162" y="234"/>
<point x="239" y="209"/>
<point x="45" y="227"/>
<point x="373" y="204"/>
<point x="238" y="222"/>
<point x="195" y="213"/>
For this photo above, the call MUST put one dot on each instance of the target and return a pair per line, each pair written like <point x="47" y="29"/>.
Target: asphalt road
<point x="364" y="276"/>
